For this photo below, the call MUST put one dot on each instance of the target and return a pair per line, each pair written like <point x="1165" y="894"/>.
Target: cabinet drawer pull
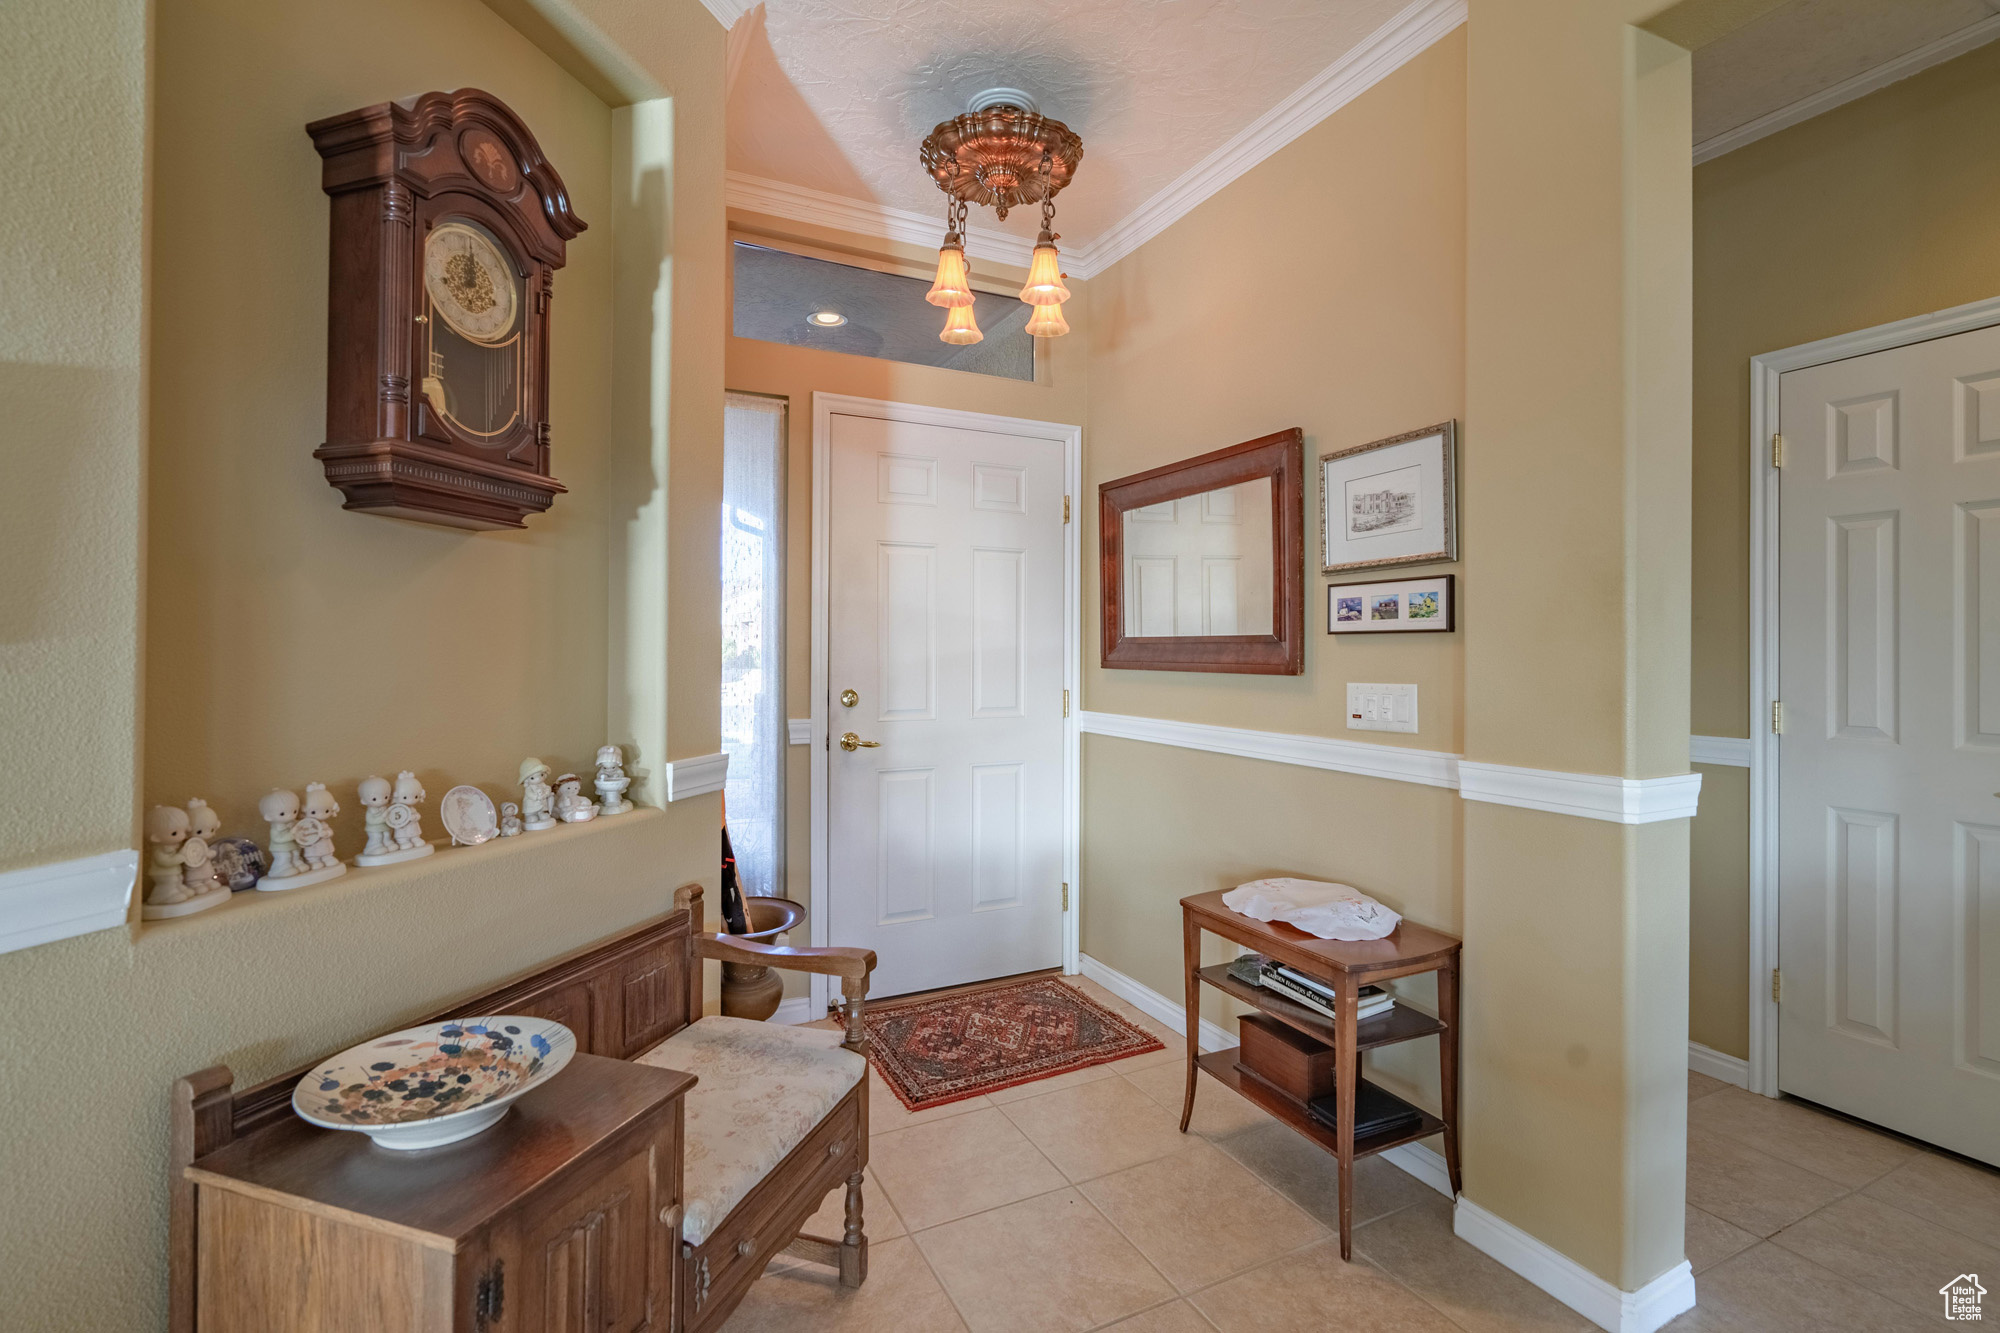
<point x="836" y="1148"/>
<point x="744" y="1247"/>
<point x="670" y="1216"/>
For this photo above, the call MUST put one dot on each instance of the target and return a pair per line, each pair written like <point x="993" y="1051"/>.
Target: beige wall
<point x="1775" y="266"/>
<point x="73" y="94"/>
<point x="293" y="640"/>
<point x="797" y="373"/>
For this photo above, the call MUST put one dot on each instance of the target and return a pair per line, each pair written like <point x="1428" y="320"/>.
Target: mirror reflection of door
<point x="1201" y="564"/>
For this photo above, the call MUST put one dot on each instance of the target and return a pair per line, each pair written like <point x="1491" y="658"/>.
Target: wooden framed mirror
<point x="1203" y="562"/>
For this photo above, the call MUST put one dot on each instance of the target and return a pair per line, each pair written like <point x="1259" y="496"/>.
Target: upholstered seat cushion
<point x="763" y="1088"/>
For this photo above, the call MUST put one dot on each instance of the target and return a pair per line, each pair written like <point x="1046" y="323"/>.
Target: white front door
<point x="1889" y="768"/>
<point x="944" y="659"/>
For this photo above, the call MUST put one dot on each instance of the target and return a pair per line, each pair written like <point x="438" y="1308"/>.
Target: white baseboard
<point x="1562" y="1277"/>
<point x="798" y="1009"/>
<point x="52" y="902"/>
<point x="1705" y="1060"/>
<point x="1154" y="1004"/>
<point x="1426" y="1164"/>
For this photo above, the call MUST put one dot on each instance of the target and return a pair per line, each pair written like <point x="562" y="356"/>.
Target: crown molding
<point x="727" y="11"/>
<point x="1374" y="59"/>
<point x="1377" y="56"/>
<point x="1847" y="90"/>
<point x="757" y="194"/>
<point x="52" y="902"/>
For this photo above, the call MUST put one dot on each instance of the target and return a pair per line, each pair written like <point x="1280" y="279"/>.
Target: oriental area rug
<point x="933" y="1052"/>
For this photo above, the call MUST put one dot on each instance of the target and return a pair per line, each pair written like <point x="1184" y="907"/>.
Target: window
<point x="753" y="640"/>
<point x="879" y="314"/>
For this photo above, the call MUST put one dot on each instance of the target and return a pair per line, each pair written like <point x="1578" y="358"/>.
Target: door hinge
<point x="1776" y="985"/>
<point x="1065" y="703"/>
<point x="1065" y="509"/>
<point x="489" y="1296"/>
<point x="1777" y="717"/>
<point x="1777" y="450"/>
<point x="1065" y="895"/>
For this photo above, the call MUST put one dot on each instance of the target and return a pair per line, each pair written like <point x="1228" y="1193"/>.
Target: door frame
<point x="1765" y="371"/>
<point x="825" y="407"/>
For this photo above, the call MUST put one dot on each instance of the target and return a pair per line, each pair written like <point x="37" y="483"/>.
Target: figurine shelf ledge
<point x="448" y="860"/>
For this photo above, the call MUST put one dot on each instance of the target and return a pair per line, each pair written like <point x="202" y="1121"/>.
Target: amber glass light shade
<point x="1048" y="322"/>
<point x="959" y="326"/>
<point x="953" y="288"/>
<point x="1045" y="285"/>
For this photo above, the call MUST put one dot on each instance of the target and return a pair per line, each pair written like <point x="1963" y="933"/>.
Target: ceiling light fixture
<point x="826" y="319"/>
<point x="1001" y="153"/>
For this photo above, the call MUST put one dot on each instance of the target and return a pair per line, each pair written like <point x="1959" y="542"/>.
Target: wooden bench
<point x="629" y="998"/>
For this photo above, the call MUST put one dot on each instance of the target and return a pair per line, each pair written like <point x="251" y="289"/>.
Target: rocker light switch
<point x="1381" y="707"/>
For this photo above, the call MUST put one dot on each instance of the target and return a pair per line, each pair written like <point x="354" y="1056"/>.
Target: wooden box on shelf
<point x="564" y="1215"/>
<point x="1285" y="1058"/>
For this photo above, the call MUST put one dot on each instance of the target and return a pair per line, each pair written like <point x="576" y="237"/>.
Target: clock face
<point x="471" y="283"/>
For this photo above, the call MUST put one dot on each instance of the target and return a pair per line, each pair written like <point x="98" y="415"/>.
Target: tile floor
<point x="1075" y="1204"/>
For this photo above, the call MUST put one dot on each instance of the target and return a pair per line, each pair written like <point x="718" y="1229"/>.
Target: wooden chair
<point x="638" y="996"/>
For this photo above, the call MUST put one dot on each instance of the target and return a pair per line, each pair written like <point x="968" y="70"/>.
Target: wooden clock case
<point x="394" y="171"/>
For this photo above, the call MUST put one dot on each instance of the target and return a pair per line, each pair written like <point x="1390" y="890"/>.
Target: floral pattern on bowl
<point x="399" y="1089"/>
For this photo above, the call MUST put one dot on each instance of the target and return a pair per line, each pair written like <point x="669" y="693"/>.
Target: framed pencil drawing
<point x="1393" y="502"/>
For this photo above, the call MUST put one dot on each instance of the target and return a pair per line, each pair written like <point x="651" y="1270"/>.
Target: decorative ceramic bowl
<point x="436" y="1084"/>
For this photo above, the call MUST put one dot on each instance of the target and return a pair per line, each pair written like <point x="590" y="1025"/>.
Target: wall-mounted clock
<point x="448" y="227"/>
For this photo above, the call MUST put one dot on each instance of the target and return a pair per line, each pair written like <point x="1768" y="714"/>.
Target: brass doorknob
<point x="848" y="698"/>
<point x="851" y="742"/>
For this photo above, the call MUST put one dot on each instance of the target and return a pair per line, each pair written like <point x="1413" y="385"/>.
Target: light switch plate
<point x="1381" y="707"/>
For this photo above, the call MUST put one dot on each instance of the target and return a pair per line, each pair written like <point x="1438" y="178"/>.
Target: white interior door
<point x="1889" y="763"/>
<point x="945" y="609"/>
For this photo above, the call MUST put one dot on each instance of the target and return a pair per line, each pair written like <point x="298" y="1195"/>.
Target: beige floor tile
<point x="1173" y="1317"/>
<point x="1956" y="1194"/>
<point x="1314" y="1289"/>
<point x="1767" y="1289"/>
<point x="1097" y="1128"/>
<point x="886" y="1112"/>
<point x="1200" y="1216"/>
<point x="1307" y="1174"/>
<point x="1417" y="1248"/>
<point x="1047" y="1263"/>
<point x="901" y="1295"/>
<point x="879" y="1219"/>
<point x="951" y="1168"/>
<point x="1793" y="1132"/>
<point x="1131" y="1013"/>
<point x="1218" y="1110"/>
<point x="1700" y="1085"/>
<point x="1751" y="1189"/>
<point x="1710" y="1240"/>
<point x="1888" y="1251"/>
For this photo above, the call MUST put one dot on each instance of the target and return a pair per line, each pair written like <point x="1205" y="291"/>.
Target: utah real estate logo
<point x="1961" y="1297"/>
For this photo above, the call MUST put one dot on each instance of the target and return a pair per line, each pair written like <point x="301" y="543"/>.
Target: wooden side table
<point x="1347" y="967"/>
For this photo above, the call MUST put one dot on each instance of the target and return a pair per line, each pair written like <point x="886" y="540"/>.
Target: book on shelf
<point x="1326" y="1005"/>
<point x="1376" y="1111"/>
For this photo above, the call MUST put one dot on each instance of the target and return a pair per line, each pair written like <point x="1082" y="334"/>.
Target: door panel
<point x="1889" y="667"/>
<point x="945" y="616"/>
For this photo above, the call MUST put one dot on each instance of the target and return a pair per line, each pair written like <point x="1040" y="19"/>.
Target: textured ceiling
<point x="836" y="95"/>
<point x="1808" y="46"/>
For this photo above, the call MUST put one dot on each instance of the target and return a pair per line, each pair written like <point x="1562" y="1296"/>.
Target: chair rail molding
<point x="697" y="776"/>
<point x="799" y="730"/>
<point x="1590" y="795"/>
<point x="1728" y="751"/>
<point x="39" y="904"/>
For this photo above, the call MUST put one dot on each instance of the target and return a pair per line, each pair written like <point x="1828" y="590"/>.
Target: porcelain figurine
<point x="316" y="843"/>
<point x="374" y="797"/>
<point x="166" y="833"/>
<point x="297" y="836"/>
<point x="537" y="801"/>
<point x="572" y="806"/>
<point x="611" y="781"/>
<point x="404" y="825"/>
<point x="198" y="852"/>
<point x="510" y="819"/>
<point x="238" y="861"/>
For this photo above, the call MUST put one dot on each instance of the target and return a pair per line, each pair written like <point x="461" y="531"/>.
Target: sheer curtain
<point x="753" y="641"/>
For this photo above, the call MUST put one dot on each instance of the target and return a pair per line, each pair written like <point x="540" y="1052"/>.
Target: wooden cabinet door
<point x="594" y="1259"/>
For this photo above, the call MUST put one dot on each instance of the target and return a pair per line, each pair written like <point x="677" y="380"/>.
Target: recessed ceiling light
<point x="826" y="319"/>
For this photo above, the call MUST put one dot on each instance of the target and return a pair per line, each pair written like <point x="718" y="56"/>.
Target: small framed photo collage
<point x="1394" y="606"/>
<point x="1393" y="502"/>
